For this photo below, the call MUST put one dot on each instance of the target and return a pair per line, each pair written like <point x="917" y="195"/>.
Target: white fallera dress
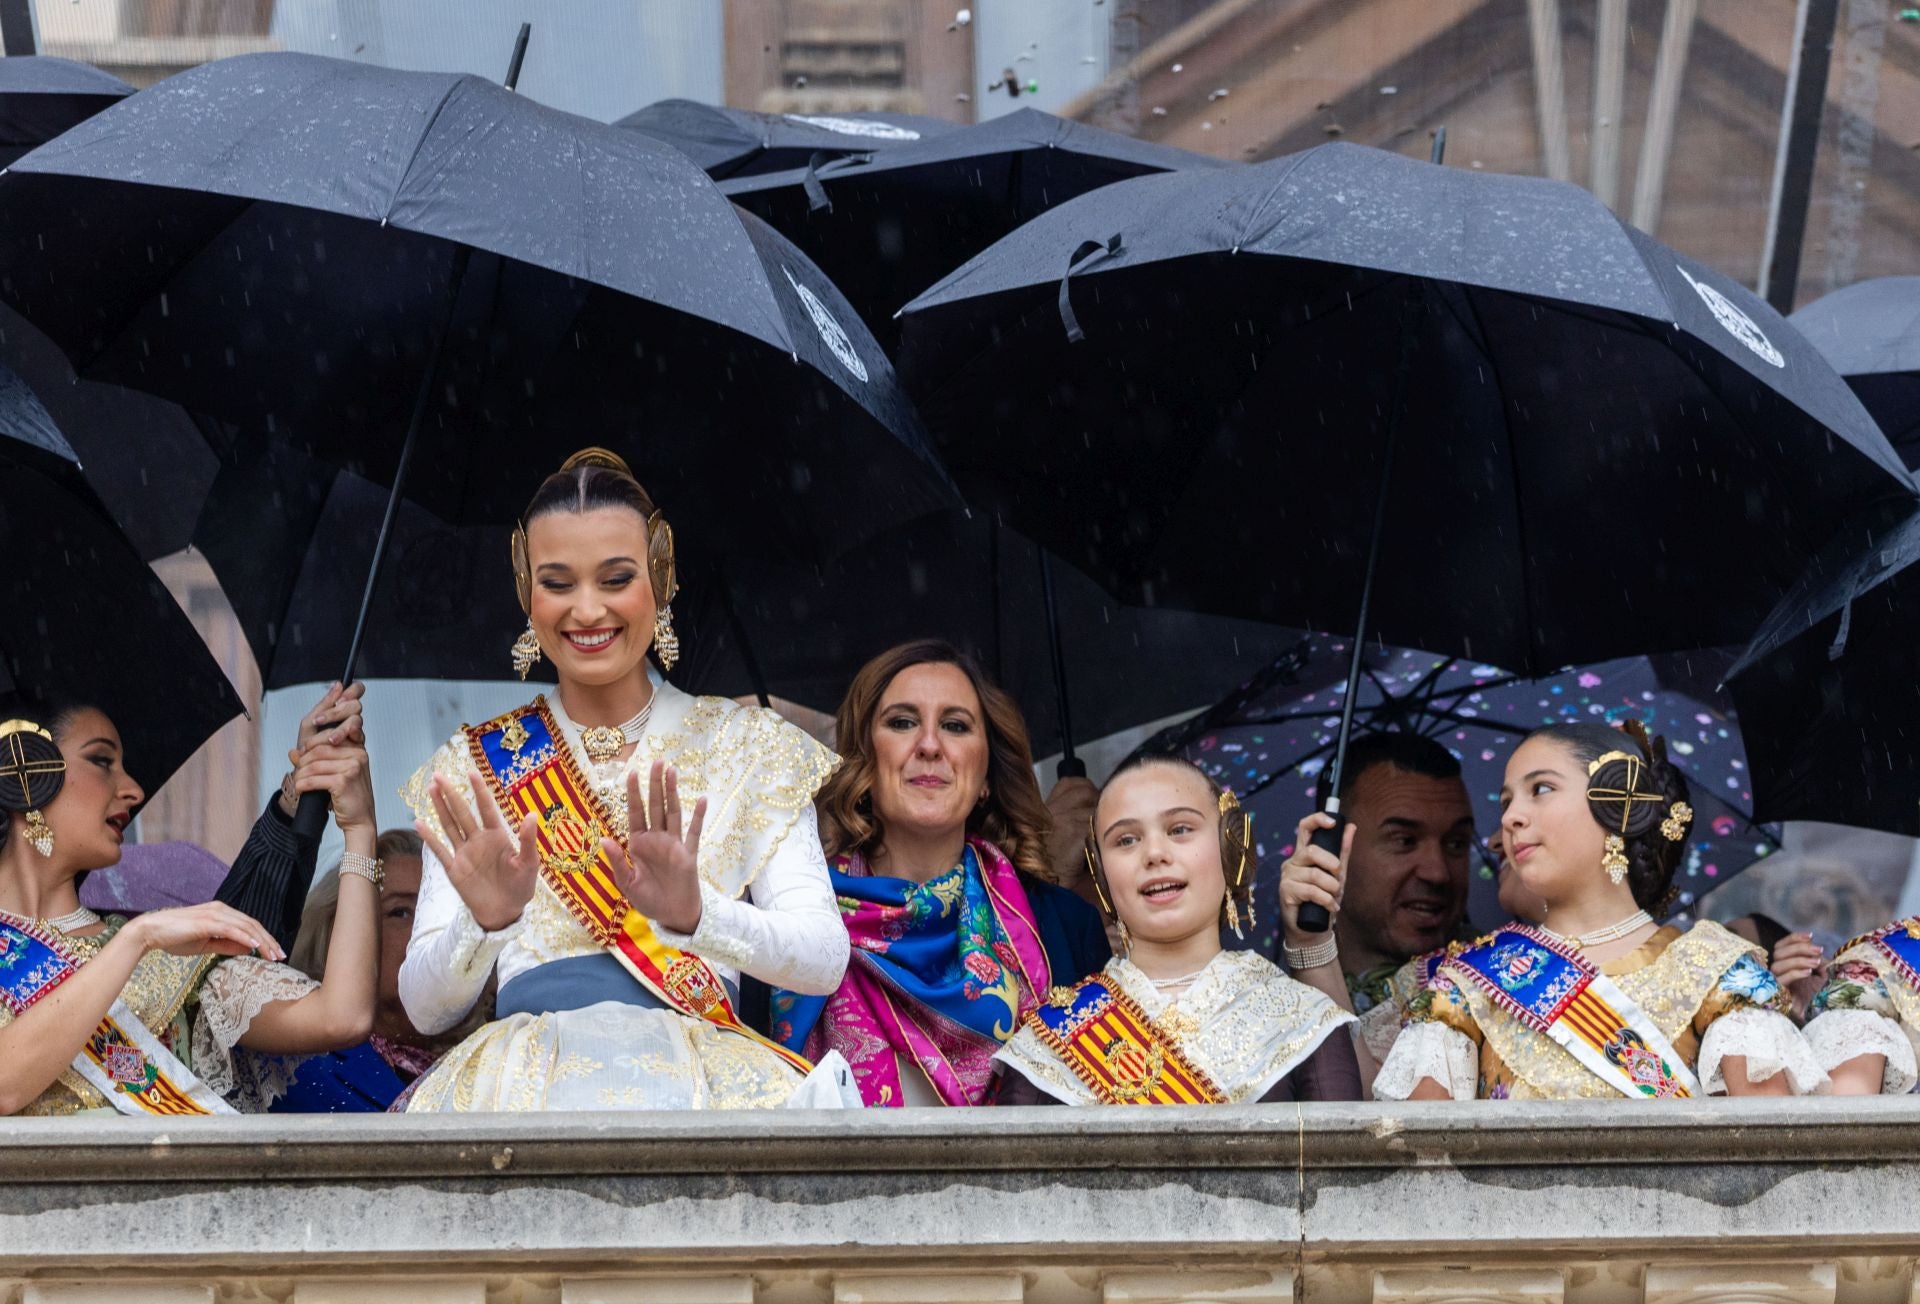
<point x="767" y="909"/>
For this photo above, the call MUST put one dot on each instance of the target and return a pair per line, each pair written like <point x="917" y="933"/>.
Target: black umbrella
<point x="1829" y="689"/>
<point x="126" y="440"/>
<point x="148" y="459"/>
<point x="1870" y="332"/>
<point x="738" y="142"/>
<point x="1271" y="741"/>
<point x="41" y="96"/>
<point x="1603" y="448"/>
<point x="289" y="538"/>
<point x="887" y="225"/>
<point x="86" y="619"/>
<point x="413" y="272"/>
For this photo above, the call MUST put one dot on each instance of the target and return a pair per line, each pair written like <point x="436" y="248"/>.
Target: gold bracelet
<point x="374" y="871"/>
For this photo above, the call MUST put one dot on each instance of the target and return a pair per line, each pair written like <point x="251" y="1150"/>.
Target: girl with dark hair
<point x="619" y="855"/>
<point x="938" y="836"/>
<point x="1178" y="1019"/>
<point x="148" y="1016"/>
<point x="1596" y="1000"/>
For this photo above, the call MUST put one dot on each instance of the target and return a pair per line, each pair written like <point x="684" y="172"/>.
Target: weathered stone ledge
<point x="1382" y="1135"/>
<point x="1718" y="1202"/>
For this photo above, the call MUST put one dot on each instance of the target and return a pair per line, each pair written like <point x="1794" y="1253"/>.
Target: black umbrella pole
<point x="1314" y="917"/>
<point x="735" y="626"/>
<point x="310" y="819"/>
<point x="1070" y="766"/>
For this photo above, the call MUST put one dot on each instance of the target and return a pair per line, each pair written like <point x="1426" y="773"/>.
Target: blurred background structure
<point x="1675" y="112"/>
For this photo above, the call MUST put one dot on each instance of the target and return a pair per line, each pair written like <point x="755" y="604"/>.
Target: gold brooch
<point x="1674" y="826"/>
<point x="572" y="845"/>
<point x="514" y="736"/>
<point x="603" y="742"/>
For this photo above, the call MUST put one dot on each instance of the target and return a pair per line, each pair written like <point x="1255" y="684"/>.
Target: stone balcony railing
<point x="1723" y="1202"/>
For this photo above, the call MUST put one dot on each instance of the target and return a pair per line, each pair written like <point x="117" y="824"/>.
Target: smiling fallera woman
<point x="161" y="1014"/>
<point x="1177" y="1019"/>
<point x="1597" y="1000"/>
<point x="619" y="854"/>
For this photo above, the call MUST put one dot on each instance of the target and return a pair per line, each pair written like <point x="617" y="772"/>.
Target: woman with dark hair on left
<point x="145" y="1016"/>
<point x="936" y="837"/>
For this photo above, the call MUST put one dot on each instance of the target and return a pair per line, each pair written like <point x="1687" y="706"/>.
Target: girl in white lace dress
<point x="155" y="1015"/>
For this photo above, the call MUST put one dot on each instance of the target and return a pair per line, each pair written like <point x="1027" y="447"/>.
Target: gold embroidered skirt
<point x="618" y="1056"/>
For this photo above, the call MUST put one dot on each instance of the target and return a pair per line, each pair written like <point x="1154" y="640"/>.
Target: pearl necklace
<point x="1601" y="936"/>
<point x="71" y="922"/>
<point x="603" y="743"/>
<point x="1185" y="979"/>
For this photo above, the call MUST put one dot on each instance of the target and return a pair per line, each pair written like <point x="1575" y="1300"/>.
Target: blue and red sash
<point x="1551" y="989"/>
<point x="531" y="771"/>
<point x="1112" y="1046"/>
<point x="122" y="1060"/>
<point x="1899" y="942"/>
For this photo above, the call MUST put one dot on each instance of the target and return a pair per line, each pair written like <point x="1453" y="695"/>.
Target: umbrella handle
<point x="1313" y="916"/>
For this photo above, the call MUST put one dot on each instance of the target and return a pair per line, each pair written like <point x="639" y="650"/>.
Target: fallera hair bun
<point x="32" y="770"/>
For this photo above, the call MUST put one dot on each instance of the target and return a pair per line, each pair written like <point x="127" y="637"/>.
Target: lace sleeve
<point x="1430" y="1049"/>
<point x="1840" y="1035"/>
<point x="1379" y="1028"/>
<point x="1770" y="1044"/>
<point x="234" y="993"/>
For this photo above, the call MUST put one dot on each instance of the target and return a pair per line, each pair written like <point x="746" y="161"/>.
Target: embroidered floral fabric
<point x="758" y="774"/>
<point x="942" y="973"/>
<point x="1243" y="1023"/>
<point x="1684" y="982"/>
<point x="615" y="1056"/>
<point x="1867" y="1008"/>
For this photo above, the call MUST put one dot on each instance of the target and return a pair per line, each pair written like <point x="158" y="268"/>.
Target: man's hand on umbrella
<point x="335" y="720"/>
<point x="491" y="865"/>
<point x="659" y="869"/>
<point x="1311" y="874"/>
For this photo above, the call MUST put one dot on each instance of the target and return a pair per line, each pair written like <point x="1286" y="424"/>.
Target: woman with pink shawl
<point x="936" y="835"/>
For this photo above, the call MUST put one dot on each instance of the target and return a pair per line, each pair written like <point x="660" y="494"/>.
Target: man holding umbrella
<point x="1403" y="892"/>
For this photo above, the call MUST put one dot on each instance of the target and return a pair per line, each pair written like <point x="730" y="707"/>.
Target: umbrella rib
<point x="420" y="143"/>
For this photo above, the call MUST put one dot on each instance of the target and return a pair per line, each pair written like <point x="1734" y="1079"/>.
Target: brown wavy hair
<point x="1014" y="816"/>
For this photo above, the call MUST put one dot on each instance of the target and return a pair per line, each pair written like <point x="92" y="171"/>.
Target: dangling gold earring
<point x="1615" y="861"/>
<point x="666" y="643"/>
<point x="40" y="833"/>
<point x="1233" y="918"/>
<point x="526" y="650"/>
<point x="1126" y="938"/>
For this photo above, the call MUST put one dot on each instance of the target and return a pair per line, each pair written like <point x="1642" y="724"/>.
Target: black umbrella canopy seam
<point x="1382" y="217"/>
<point x="452" y="188"/>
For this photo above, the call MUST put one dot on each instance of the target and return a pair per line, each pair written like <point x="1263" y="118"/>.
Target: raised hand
<point x="211" y="928"/>
<point x="658" y="870"/>
<point x="491" y="865"/>
<point x="1311" y="874"/>
<point x="342" y="772"/>
<point x="1800" y="966"/>
<point x="335" y="720"/>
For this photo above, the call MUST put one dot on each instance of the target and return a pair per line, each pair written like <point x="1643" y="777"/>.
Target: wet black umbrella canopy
<point x="87" y="621"/>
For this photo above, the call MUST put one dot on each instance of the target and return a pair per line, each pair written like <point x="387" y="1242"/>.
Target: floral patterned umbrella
<point x="1270" y="740"/>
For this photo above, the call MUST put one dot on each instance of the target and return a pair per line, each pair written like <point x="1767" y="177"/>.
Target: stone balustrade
<point x="1720" y="1202"/>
